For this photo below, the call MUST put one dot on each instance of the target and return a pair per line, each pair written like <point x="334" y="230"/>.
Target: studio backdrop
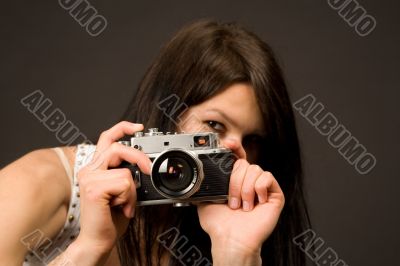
<point x="340" y="59"/>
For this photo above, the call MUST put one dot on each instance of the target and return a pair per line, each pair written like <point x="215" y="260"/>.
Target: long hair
<point x="201" y="60"/>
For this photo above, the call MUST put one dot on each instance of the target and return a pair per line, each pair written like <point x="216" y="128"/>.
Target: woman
<point x="224" y="79"/>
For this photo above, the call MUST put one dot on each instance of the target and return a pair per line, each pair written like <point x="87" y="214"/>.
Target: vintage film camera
<point x="186" y="168"/>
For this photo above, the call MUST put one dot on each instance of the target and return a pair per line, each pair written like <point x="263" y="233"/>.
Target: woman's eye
<point x="216" y="126"/>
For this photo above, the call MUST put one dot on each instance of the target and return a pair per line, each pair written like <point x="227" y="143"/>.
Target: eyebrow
<point x="230" y="120"/>
<point x="225" y="116"/>
<point x="261" y="133"/>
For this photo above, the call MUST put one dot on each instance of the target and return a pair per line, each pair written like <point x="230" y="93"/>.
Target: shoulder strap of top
<point x="65" y="162"/>
<point x="70" y="231"/>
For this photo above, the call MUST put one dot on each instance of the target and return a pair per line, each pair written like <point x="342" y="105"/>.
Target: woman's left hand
<point x="239" y="228"/>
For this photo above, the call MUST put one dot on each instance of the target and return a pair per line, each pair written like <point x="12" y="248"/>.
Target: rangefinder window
<point x="201" y="141"/>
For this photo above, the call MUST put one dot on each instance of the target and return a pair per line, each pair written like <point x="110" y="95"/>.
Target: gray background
<point x="91" y="79"/>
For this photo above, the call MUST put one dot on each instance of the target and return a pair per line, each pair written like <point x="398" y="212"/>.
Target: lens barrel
<point x="177" y="173"/>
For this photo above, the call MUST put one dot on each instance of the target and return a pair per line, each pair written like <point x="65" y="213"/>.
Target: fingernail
<point x="234" y="203"/>
<point x="246" y="206"/>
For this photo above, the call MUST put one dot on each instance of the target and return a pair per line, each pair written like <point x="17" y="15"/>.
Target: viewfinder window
<point x="201" y="141"/>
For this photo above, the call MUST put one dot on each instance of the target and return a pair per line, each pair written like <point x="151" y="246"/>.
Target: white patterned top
<point x="42" y="250"/>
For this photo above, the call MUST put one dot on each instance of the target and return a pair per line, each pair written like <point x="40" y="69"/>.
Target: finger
<point x="129" y="203"/>
<point x="122" y="198"/>
<point x="262" y="185"/>
<point x="127" y="200"/>
<point x="235" y="183"/>
<point x="112" y="187"/>
<point x="115" y="133"/>
<point x="248" y="190"/>
<point x="120" y="152"/>
<point x="275" y="193"/>
<point x="117" y="153"/>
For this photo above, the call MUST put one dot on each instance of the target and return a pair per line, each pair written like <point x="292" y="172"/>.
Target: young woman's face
<point x="234" y="114"/>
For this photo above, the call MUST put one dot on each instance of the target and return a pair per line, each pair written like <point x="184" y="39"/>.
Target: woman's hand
<point x="238" y="230"/>
<point x="108" y="196"/>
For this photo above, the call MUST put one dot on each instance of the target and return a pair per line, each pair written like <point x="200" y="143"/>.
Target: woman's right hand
<point x="108" y="196"/>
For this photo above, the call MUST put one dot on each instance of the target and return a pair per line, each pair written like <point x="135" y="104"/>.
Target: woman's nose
<point x="235" y="144"/>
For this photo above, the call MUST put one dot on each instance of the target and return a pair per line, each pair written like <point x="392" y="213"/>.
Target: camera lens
<point x="175" y="174"/>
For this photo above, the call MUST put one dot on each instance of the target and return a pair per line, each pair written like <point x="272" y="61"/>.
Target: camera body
<point x="186" y="168"/>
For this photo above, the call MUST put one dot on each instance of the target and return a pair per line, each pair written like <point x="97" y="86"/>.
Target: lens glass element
<point x="174" y="173"/>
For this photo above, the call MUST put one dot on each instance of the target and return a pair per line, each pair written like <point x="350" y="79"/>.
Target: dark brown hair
<point x="201" y="60"/>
